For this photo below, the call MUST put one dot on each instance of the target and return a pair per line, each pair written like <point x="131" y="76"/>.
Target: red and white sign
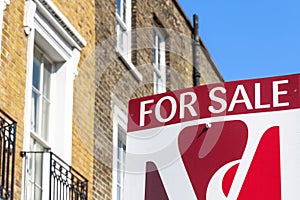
<point x="227" y="141"/>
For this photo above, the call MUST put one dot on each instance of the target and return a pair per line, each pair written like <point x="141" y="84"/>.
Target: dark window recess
<point x="7" y="155"/>
<point x="65" y="183"/>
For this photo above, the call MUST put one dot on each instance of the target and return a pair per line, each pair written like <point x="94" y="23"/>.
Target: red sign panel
<point x="239" y="97"/>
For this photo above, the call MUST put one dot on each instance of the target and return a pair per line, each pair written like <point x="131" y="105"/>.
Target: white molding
<point x="75" y="61"/>
<point x="126" y="26"/>
<point x="119" y="119"/>
<point x="134" y="71"/>
<point x="27" y="108"/>
<point x="55" y="18"/>
<point x="123" y="24"/>
<point x="159" y="74"/>
<point x="54" y="15"/>
<point x="52" y="37"/>
<point x="30" y="9"/>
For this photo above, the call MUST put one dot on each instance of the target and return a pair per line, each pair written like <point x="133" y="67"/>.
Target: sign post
<point x="225" y="141"/>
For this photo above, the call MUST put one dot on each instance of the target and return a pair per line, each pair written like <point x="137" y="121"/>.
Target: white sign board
<point x="226" y="141"/>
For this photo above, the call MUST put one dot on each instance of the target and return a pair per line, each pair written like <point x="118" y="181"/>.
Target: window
<point x="53" y="54"/>
<point x="119" y="140"/>
<point x="39" y="130"/>
<point x="159" y="62"/>
<point x="123" y="15"/>
<point x="35" y="185"/>
<point x="123" y="28"/>
<point x="121" y="152"/>
<point x="40" y="101"/>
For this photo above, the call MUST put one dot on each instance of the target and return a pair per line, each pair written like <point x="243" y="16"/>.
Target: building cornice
<point x="49" y="7"/>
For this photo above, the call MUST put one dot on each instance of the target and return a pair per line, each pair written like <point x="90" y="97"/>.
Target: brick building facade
<point x="68" y="69"/>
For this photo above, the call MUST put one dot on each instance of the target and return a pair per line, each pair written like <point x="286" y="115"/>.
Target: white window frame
<point x="125" y="25"/>
<point x="48" y="29"/>
<point x="119" y="120"/>
<point x="40" y="92"/>
<point x="3" y="5"/>
<point x="159" y="62"/>
<point x="125" y="54"/>
<point x="38" y="140"/>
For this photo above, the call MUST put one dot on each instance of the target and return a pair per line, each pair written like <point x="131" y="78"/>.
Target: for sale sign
<point x="226" y="141"/>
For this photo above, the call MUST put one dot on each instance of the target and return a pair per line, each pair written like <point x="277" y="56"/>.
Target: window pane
<point x="40" y="105"/>
<point x="157" y="86"/>
<point x="119" y="151"/>
<point x="36" y="73"/>
<point x="124" y="151"/>
<point x="31" y="162"/>
<point x="35" y="171"/>
<point x="46" y="81"/>
<point x="119" y="7"/>
<point x="119" y="172"/>
<point x="122" y="37"/>
<point x="34" y="111"/>
<point x="159" y="59"/>
<point x="118" y="35"/>
<point x="37" y="193"/>
<point x="30" y="159"/>
<point x="121" y="137"/>
<point x="38" y="169"/>
<point x="124" y="11"/>
<point x="154" y="55"/>
<point x="160" y="85"/>
<point x="158" y="52"/>
<point x="120" y="161"/>
<point x="45" y="119"/>
<point x="119" y="193"/>
<point x="154" y="48"/>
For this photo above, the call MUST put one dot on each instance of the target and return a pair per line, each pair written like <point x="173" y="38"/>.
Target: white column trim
<point x="28" y="88"/>
<point x="119" y="118"/>
<point x="30" y="9"/>
<point x="75" y="60"/>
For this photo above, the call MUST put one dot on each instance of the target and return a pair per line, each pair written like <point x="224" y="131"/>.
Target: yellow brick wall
<point x="115" y="85"/>
<point x="99" y="86"/>
<point x="13" y="76"/>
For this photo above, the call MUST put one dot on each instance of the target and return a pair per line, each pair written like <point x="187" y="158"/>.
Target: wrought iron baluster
<point x="50" y="177"/>
<point x="7" y="166"/>
<point x="3" y="164"/>
<point x="1" y="158"/>
<point x="64" y="181"/>
<point x="1" y="150"/>
<point x="13" y="136"/>
<point x="7" y="155"/>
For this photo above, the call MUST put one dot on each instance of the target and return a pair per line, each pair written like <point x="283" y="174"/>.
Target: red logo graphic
<point x="218" y="151"/>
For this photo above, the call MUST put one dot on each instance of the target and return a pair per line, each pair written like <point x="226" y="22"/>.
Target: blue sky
<point x="249" y="39"/>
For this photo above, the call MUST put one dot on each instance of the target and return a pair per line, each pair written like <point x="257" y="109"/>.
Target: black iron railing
<point x="7" y="155"/>
<point x="65" y="183"/>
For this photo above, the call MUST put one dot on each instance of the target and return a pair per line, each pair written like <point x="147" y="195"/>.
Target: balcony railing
<point x="65" y="183"/>
<point x="7" y="155"/>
